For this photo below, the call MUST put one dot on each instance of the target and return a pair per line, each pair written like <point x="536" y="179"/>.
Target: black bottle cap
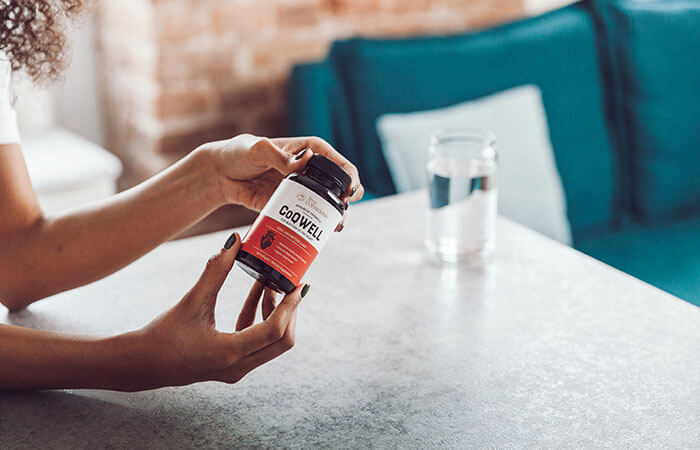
<point x="334" y="171"/>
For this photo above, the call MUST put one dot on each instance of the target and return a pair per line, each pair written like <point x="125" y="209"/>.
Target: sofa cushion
<point x="665" y="255"/>
<point x="655" y="46"/>
<point x="556" y="52"/>
<point x="529" y="186"/>
<point x="316" y="107"/>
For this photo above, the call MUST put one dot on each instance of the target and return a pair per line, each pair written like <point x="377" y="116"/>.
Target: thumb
<point x="218" y="267"/>
<point x="266" y="154"/>
<point x="285" y="163"/>
<point x="298" y="161"/>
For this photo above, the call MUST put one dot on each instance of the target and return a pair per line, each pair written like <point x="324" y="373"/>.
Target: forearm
<point x="33" y="360"/>
<point x="78" y="247"/>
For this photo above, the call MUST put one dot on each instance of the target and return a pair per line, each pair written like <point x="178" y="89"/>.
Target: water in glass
<point x="463" y="202"/>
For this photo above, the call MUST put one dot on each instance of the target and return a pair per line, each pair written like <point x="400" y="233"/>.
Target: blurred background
<point x="151" y="80"/>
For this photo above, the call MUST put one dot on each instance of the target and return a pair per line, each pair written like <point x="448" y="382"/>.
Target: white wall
<point x="77" y="100"/>
<point x="73" y="102"/>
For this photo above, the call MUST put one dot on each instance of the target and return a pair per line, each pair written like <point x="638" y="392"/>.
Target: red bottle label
<point x="290" y="231"/>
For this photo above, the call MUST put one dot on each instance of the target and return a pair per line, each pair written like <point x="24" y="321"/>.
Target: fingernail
<point x="230" y="241"/>
<point x="305" y="290"/>
<point x="354" y="190"/>
<point x="341" y="227"/>
<point x="301" y="154"/>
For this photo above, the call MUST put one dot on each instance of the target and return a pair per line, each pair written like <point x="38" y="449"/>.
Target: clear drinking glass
<point x="461" y="221"/>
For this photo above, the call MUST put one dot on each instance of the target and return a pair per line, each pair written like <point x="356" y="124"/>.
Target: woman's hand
<point x="186" y="347"/>
<point x="180" y="347"/>
<point x="250" y="167"/>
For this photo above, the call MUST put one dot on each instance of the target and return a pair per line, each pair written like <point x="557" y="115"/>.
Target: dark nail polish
<point x="301" y="154"/>
<point x="230" y="241"/>
<point x="354" y="190"/>
<point x="305" y="290"/>
<point x="341" y="227"/>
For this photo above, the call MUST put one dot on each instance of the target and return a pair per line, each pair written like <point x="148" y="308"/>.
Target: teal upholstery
<point x="317" y="107"/>
<point x="381" y="76"/>
<point x="312" y="112"/>
<point x="666" y="255"/>
<point x="655" y="47"/>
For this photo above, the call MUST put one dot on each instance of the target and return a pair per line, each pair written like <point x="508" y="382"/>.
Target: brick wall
<point x="180" y="72"/>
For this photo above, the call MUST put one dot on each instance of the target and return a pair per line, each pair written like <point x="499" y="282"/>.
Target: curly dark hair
<point x="32" y="35"/>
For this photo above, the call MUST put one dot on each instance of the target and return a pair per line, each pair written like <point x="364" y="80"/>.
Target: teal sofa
<point x="620" y="83"/>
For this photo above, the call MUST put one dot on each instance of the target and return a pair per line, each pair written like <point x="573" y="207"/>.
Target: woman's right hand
<point x="185" y="347"/>
<point x="251" y="167"/>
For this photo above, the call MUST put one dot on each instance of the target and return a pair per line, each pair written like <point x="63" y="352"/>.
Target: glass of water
<point x="461" y="221"/>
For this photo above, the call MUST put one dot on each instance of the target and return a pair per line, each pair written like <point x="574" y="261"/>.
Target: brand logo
<point x="267" y="239"/>
<point x="311" y="203"/>
<point x="301" y="196"/>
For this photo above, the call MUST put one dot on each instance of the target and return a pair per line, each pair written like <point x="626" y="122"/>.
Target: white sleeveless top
<point x="8" y="118"/>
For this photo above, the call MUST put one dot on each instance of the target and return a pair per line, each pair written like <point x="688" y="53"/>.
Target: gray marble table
<point x="545" y="347"/>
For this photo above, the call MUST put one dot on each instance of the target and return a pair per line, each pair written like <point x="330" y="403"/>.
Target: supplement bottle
<point x="294" y="225"/>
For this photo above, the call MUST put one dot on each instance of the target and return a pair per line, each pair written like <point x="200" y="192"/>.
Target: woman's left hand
<point x="251" y="167"/>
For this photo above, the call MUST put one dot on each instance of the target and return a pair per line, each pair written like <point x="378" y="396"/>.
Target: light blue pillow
<point x="529" y="185"/>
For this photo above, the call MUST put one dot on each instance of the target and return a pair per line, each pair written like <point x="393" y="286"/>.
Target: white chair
<point x="67" y="170"/>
